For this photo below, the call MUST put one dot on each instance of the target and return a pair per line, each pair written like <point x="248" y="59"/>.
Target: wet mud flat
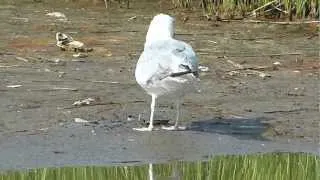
<point x="260" y="93"/>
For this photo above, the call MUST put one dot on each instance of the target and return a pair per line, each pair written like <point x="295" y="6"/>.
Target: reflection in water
<point x="280" y="166"/>
<point x="150" y="171"/>
<point x="175" y="175"/>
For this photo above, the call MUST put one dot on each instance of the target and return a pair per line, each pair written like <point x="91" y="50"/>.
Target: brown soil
<point x="287" y="101"/>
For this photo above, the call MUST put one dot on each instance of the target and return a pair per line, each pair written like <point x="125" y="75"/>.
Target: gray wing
<point x="166" y="59"/>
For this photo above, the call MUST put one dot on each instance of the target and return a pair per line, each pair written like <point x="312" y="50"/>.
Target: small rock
<point x="83" y="102"/>
<point x="57" y="60"/>
<point x="248" y="110"/>
<point x="22" y="59"/>
<point x="130" y="118"/>
<point x="78" y="60"/>
<point x="79" y="120"/>
<point x="61" y="74"/>
<point x="132" y="18"/>
<point x="264" y="75"/>
<point x="310" y="74"/>
<point x="58" y="152"/>
<point x="131" y="140"/>
<point x="233" y="73"/>
<point x="43" y="129"/>
<point x="93" y="132"/>
<point x="21" y="19"/>
<point x="203" y="68"/>
<point x="14" y="86"/>
<point x="277" y="63"/>
<point x="80" y="55"/>
<point x="214" y="42"/>
<point x="185" y="19"/>
<point x="57" y="15"/>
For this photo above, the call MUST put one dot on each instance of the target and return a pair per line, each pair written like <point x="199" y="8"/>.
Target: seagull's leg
<point x="152" y="106"/>
<point x="176" y="124"/>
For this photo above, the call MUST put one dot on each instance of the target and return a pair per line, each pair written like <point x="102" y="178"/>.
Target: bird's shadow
<point x="241" y="128"/>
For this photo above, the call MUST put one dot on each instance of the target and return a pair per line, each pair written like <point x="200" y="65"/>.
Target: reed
<point x="293" y="9"/>
<point x="279" y="166"/>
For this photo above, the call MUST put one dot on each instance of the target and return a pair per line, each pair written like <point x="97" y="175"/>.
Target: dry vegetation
<point x="292" y="9"/>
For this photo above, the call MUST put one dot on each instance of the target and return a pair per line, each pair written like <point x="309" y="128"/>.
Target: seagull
<point x="166" y="67"/>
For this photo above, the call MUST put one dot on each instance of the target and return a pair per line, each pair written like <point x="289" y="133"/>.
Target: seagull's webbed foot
<point x="173" y="128"/>
<point x="143" y="129"/>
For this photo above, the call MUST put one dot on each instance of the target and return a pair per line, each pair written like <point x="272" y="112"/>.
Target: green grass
<point x="275" y="166"/>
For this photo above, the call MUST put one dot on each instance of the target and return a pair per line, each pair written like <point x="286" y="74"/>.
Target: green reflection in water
<point x="272" y="166"/>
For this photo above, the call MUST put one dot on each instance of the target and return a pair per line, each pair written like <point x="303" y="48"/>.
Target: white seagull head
<point x="161" y="28"/>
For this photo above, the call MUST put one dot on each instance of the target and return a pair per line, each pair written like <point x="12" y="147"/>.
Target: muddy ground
<point x="39" y="83"/>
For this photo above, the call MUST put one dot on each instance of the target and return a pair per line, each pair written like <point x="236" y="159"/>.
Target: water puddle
<point x="258" y="166"/>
